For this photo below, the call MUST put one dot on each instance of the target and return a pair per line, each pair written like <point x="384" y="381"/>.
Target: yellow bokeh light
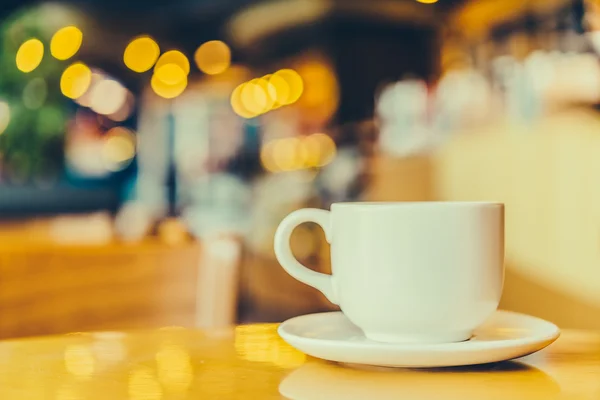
<point x="287" y="155"/>
<point x="295" y="84"/>
<point x="279" y="90"/>
<point x="327" y="148"/>
<point x="320" y="98"/>
<point x="30" y="55"/>
<point x="75" y="80"/>
<point x="118" y="149"/>
<point x="294" y="153"/>
<point x="311" y="147"/>
<point x="141" y="54"/>
<point x="427" y="1"/>
<point x="237" y="105"/>
<point x="165" y="90"/>
<point x="266" y="157"/>
<point x="4" y="116"/>
<point x="66" y="42"/>
<point x="260" y="343"/>
<point x="173" y="57"/>
<point x="213" y="57"/>
<point x="107" y="96"/>
<point x="269" y="93"/>
<point x="86" y="99"/>
<point x="171" y="74"/>
<point x="79" y="361"/>
<point x="254" y="97"/>
<point x="319" y="84"/>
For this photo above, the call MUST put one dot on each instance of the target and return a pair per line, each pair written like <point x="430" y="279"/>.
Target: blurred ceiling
<point x="198" y="10"/>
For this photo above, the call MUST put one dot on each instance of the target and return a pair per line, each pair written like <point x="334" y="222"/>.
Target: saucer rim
<point x="468" y="345"/>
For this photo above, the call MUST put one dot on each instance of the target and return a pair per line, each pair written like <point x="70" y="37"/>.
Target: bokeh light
<point x="4" y="116"/>
<point x="118" y="149"/>
<point x="295" y="153"/>
<point x="320" y="85"/>
<point x="320" y="97"/>
<point x="213" y="57"/>
<point x="311" y="148"/>
<point x="326" y="146"/>
<point x="124" y="112"/>
<point x="165" y="90"/>
<point x="254" y="98"/>
<point x="171" y="74"/>
<point x="141" y="54"/>
<point x="260" y="343"/>
<point x="29" y="55"/>
<point x="107" y="96"/>
<point x="427" y="1"/>
<point x="279" y="89"/>
<point x="75" y="80"/>
<point x="261" y="95"/>
<point x="269" y="92"/>
<point x="295" y="84"/>
<point x="287" y="154"/>
<point x="173" y="57"/>
<point x="35" y="93"/>
<point x="266" y="156"/>
<point x="86" y="99"/>
<point x="237" y="105"/>
<point x="66" y="42"/>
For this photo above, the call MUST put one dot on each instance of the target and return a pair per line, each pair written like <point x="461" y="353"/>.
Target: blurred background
<point x="149" y="149"/>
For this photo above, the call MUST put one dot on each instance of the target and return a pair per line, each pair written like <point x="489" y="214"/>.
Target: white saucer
<point x="332" y="337"/>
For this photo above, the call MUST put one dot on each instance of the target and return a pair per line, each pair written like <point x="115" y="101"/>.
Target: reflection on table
<point x="251" y="361"/>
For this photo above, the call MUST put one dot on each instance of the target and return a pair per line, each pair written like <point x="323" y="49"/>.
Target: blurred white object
<point x="402" y="109"/>
<point x="594" y="39"/>
<point x="462" y="99"/>
<point x="217" y="204"/>
<point x="521" y="99"/>
<point x="216" y="302"/>
<point x="575" y="79"/>
<point x="408" y="97"/>
<point x="94" y="229"/>
<point x="86" y="159"/>
<point x="338" y="176"/>
<point x="134" y="221"/>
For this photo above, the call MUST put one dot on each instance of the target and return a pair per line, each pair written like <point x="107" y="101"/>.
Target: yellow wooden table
<point x="251" y="362"/>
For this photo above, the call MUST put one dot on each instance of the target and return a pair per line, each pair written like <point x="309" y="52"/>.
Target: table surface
<point x="252" y="362"/>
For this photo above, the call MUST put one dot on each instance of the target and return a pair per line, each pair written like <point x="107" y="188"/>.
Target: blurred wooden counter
<point x="47" y="288"/>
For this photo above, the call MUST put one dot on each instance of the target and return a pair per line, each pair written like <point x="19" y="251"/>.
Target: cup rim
<point x="389" y="204"/>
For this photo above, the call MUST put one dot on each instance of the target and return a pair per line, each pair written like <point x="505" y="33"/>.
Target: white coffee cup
<point x="426" y="272"/>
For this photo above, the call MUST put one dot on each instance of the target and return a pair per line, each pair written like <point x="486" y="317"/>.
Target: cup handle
<point x="283" y="251"/>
